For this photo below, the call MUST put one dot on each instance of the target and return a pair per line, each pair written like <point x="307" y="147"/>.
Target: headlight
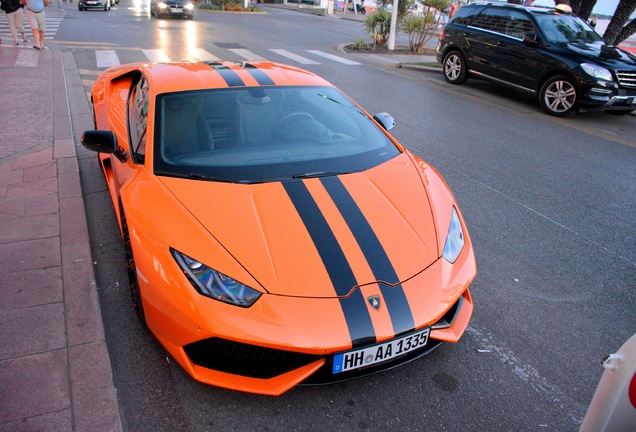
<point x="211" y="283"/>
<point x="454" y="239"/>
<point x="597" y="71"/>
<point x="189" y="6"/>
<point x="162" y="5"/>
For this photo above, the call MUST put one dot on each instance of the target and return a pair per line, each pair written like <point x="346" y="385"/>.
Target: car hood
<point x="604" y="54"/>
<point x="320" y="237"/>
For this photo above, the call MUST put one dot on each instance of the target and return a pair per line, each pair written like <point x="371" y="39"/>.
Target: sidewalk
<point x="55" y="373"/>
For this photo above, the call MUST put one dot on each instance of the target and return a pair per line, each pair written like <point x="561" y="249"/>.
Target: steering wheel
<point x="284" y="125"/>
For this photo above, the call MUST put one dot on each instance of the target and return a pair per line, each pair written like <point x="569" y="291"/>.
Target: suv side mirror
<point x="103" y="141"/>
<point x="530" y="39"/>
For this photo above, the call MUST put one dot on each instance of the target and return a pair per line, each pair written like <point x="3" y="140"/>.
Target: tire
<point x="455" y="69"/>
<point x="558" y="96"/>
<point x="132" y="273"/>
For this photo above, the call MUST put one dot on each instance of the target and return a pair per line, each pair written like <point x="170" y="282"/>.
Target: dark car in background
<point x="176" y="8"/>
<point x="83" y="5"/>
<point x="546" y="51"/>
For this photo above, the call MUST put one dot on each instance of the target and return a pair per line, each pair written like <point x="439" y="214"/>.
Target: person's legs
<point x="17" y="16"/>
<point x="37" y="22"/>
<point x="12" y="26"/>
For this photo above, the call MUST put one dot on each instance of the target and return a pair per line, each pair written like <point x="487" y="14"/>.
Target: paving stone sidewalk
<point x="55" y="373"/>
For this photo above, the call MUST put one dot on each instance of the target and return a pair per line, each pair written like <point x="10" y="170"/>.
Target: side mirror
<point x="385" y="120"/>
<point x="530" y="39"/>
<point x="103" y="141"/>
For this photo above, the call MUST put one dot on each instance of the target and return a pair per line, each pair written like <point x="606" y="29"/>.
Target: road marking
<point x="333" y="57"/>
<point x="201" y="54"/>
<point x="295" y="57"/>
<point x="156" y="55"/>
<point x="248" y="55"/>
<point x="27" y="58"/>
<point x="107" y="58"/>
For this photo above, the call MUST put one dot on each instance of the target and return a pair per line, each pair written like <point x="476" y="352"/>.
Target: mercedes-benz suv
<point x="547" y="51"/>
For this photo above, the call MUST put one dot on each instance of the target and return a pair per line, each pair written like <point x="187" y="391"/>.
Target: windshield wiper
<point x="318" y="174"/>
<point x="196" y="176"/>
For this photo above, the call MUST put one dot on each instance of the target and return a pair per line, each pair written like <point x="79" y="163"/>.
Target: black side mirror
<point x="386" y="120"/>
<point x="103" y="141"/>
<point x="530" y="39"/>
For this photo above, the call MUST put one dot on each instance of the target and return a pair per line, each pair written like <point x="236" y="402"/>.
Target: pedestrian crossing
<point x="105" y="58"/>
<point x="53" y="21"/>
<point x="107" y="55"/>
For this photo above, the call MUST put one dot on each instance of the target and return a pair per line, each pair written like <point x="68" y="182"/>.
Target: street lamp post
<point x="392" y="30"/>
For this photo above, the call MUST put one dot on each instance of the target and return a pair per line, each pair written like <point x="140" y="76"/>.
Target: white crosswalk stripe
<point x="334" y="57"/>
<point x="156" y="55"/>
<point x="27" y="58"/>
<point x="201" y="54"/>
<point x="247" y="55"/>
<point x="107" y="58"/>
<point x="294" y="57"/>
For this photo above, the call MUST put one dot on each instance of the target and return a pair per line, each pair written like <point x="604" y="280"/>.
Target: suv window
<point x="492" y="19"/>
<point x="566" y="28"/>
<point x="519" y="25"/>
<point x="465" y="14"/>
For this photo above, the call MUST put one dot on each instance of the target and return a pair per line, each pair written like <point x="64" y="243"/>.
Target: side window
<point x="493" y="19"/>
<point x="519" y="25"/>
<point x="465" y="14"/>
<point x="138" y="117"/>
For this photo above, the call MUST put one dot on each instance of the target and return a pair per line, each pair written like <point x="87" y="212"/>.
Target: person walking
<point x="37" y="20"/>
<point x="13" y="9"/>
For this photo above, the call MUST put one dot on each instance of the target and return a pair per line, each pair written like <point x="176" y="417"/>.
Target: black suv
<point x="547" y="51"/>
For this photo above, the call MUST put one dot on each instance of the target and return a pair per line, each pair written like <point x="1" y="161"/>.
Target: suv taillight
<point x="441" y="34"/>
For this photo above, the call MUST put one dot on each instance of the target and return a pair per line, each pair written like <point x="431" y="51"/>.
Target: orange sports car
<point x="276" y="233"/>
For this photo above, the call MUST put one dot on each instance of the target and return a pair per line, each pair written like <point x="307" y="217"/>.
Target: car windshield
<point x="566" y="28"/>
<point x="260" y="134"/>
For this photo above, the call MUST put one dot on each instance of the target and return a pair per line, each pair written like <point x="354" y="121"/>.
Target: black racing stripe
<point x="260" y="76"/>
<point x="376" y="256"/>
<point x="354" y="308"/>
<point x="231" y="78"/>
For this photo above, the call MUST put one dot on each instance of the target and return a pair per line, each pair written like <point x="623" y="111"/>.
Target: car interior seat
<point x="185" y="128"/>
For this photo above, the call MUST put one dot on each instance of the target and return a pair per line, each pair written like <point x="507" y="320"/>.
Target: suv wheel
<point x="558" y="96"/>
<point x="455" y="70"/>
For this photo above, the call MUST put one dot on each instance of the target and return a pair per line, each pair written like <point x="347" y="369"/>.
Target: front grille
<point x="246" y="360"/>
<point x="627" y="78"/>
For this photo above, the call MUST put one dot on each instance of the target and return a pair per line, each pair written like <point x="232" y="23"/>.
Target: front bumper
<point x="92" y="4"/>
<point x="606" y="95"/>
<point x="176" y="11"/>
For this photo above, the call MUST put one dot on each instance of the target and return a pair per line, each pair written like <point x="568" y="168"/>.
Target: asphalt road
<point x="549" y="203"/>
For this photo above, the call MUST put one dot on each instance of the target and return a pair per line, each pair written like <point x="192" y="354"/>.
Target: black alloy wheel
<point x="132" y="273"/>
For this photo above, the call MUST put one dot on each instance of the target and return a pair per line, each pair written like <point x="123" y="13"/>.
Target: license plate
<point x="379" y="353"/>
<point x="176" y="10"/>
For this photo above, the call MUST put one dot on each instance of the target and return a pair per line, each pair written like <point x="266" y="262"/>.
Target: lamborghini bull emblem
<point x="374" y="301"/>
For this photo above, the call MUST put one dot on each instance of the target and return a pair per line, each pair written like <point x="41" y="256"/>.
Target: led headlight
<point x="454" y="239"/>
<point x="189" y="6"/>
<point x="211" y="283"/>
<point x="597" y="71"/>
<point x="162" y="5"/>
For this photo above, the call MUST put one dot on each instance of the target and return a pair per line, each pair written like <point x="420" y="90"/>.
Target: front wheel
<point x="132" y="274"/>
<point x="558" y="96"/>
<point x="455" y="70"/>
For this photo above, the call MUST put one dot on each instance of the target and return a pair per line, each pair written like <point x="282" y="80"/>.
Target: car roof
<point x="531" y="9"/>
<point x="184" y="76"/>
